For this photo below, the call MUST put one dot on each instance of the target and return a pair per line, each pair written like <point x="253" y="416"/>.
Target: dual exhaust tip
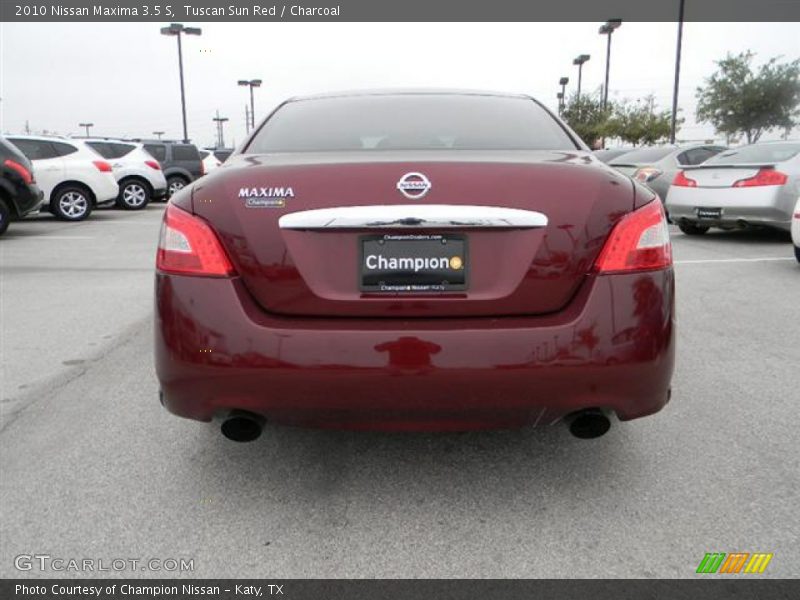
<point x="243" y="426"/>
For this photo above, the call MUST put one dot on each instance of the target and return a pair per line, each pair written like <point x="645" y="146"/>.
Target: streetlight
<point x="563" y="83"/>
<point x="608" y="29"/>
<point x="220" y="138"/>
<point x="158" y="133"/>
<point x="86" y="126"/>
<point x="579" y="60"/>
<point x="560" y="96"/>
<point x="176" y="29"/>
<point x="673" y="124"/>
<point x="251" y="83"/>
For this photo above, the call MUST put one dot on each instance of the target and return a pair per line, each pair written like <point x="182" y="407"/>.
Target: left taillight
<point x="188" y="246"/>
<point x="638" y="242"/>
<point x="102" y="166"/>
<point x="646" y="174"/>
<point x="763" y="177"/>
<point x="26" y="175"/>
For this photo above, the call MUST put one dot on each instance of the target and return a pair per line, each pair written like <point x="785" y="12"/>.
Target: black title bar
<point x="396" y="10"/>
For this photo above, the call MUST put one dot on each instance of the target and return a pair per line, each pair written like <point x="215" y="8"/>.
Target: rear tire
<point x="692" y="228"/>
<point x="175" y="183"/>
<point x="71" y="203"/>
<point x="5" y="216"/>
<point x="133" y="195"/>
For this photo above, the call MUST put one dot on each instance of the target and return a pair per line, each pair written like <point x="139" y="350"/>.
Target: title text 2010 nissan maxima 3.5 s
<point x="414" y="261"/>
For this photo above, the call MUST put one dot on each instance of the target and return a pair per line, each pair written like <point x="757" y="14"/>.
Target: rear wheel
<point x="71" y="203"/>
<point x="5" y="216"/>
<point x="692" y="228"/>
<point x="133" y="195"/>
<point x="175" y="184"/>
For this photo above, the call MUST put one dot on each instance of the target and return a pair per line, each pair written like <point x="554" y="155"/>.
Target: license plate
<point x="704" y="212"/>
<point x="413" y="263"/>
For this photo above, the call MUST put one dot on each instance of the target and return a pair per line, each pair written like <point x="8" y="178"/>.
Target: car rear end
<point x="90" y="168"/>
<point x="754" y="185"/>
<point x="18" y="184"/>
<point x="414" y="261"/>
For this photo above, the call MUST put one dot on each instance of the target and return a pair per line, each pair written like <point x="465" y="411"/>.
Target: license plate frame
<point x="708" y="213"/>
<point x="431" y="278"/>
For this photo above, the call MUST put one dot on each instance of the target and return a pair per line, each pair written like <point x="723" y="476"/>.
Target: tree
<point x="736" y="99"/>
<point x="639" y="122"/>
<point x="587" y="117"/>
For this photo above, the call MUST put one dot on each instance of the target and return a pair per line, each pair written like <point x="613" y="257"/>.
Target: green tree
<point x="737" y="99"/>
<point x="587" y="117"/>
<point x="639" y="122"/>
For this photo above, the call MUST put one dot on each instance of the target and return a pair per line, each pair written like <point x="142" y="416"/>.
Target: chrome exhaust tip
<point x="589" y="424"/>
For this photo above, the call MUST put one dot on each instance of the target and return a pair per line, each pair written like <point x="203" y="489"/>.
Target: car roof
<point x="409" y="92"/>
<point x="39" y="138"/>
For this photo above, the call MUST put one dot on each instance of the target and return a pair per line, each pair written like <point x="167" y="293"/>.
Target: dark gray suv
<point x="180" y="162"/>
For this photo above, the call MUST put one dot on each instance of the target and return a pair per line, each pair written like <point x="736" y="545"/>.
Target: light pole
<point x="677" y="75"/>
<point x="220" y="138"/>
<point x="560" y="96"/>
<point x="608" y="29"/>
<point x="176" y="29"/>
<point x="158" y="134"/>
<point x="251" y="83"/>
<point x="86" y="126"/>
<point x="579" y="60"/>
<point x="563" y="83"/>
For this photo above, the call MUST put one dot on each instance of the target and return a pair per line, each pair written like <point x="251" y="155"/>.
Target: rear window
<point x="118" y="150"/>
<point x="204" y="154"/>
<point x="101" y="148"/>
<point x="643" y="155"/>
<point x="411" y="122"/>
<point x="158" y="151"/>
<point x="185" y="153"/>
<point x="758" y="153"/>
<point x="64" y="149"/>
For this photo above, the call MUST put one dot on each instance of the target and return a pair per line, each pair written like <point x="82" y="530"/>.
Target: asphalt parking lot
<point x="92" y="467"/>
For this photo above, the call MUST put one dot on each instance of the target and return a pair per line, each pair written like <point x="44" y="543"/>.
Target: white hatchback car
<point x="796" y="230"/>
<point x="210" y="162"/>
<point x="72" y="176"/>
<point x="138" y="173"/>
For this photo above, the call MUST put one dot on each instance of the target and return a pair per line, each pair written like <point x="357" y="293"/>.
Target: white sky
<point x="124" y="76"/>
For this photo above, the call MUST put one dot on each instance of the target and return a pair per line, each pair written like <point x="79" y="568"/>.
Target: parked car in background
<point x="138" y="173"/>
<point x="656" y="166"/>
<point x="222" y="154"/>
<point x="404" y="260"/>
<point x="73" y="177"/>
<point x="608" y="154"/>
<point x="796" y="230"/>
<point x="210" y="161"/>
<point x="19" y="194"/>
<point x="181" y="163"/>
<point x="754" y="185"/>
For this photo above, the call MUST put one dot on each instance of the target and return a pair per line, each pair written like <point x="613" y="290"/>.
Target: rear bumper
<point x="612" y="348"/>
<point x="755" y="206"/>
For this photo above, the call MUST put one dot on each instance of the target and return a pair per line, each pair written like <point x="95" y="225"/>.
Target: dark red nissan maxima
<point x="414" y="260"/>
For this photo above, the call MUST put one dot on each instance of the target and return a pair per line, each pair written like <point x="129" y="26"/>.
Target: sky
<point x="123" y="77"/>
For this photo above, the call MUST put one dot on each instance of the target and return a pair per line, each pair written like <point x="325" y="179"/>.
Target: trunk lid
<point x="721" y="176"/>
<point x="511" y="270"/>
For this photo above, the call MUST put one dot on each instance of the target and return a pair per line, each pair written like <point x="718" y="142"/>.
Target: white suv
<point x="73" y="177"/>
<point x="139" y="175"/>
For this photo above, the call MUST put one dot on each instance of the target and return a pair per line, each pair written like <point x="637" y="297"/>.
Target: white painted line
<point x="732" y="260"/>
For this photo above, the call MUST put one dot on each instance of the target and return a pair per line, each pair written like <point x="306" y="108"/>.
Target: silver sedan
<point x="755" y="185"/>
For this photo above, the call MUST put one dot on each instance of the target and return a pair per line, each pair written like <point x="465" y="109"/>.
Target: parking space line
<point x="732" y="260"/>
<point x="55" y="237"/>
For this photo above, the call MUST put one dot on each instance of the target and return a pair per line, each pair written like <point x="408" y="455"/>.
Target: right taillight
<point x="188" y="246"/>
<point x="153" y="164"/>
<point x="763" y="177"/>
<point x="638" y="242"/>
<point x="681" y="180"/>
<point x="26" y="175"/>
